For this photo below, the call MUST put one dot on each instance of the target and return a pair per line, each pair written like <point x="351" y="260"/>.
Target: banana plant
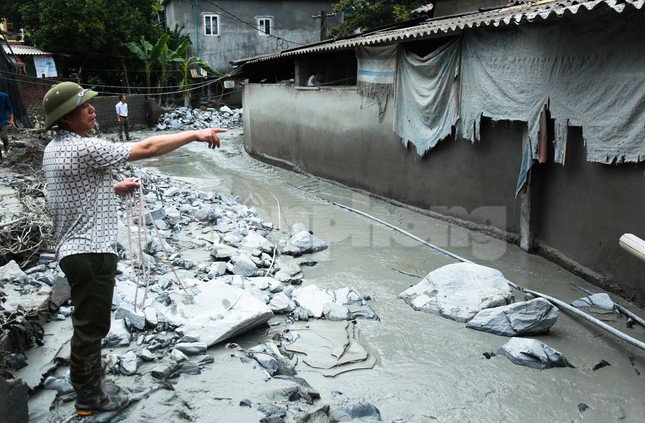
<point x="148" y="54"/>
<point x="184" y="67"/>
<point x="167" y="57"/>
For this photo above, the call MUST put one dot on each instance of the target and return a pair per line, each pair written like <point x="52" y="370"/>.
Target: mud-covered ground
<point x="426" y="368"/>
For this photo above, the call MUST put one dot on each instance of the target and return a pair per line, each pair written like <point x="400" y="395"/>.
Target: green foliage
<point x="183" y="80"/>
<point x="365" y="15"/>
<point x="87" y="33"/>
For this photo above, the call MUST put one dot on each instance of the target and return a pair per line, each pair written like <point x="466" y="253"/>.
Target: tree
<point x="149" y="54"/>
<point x="184" y="80"/>
<point x="366" y="15"/>
<point x="86" y="33"/>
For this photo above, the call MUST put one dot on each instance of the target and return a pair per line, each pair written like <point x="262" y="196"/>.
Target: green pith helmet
<point x="63" y="98"/>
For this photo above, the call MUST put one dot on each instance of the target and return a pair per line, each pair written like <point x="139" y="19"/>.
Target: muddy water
<point x="428" y="368"/>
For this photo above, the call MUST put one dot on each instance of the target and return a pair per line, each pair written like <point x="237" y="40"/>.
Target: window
<point x="211" y="24"/>
<point x="265" y="26"/>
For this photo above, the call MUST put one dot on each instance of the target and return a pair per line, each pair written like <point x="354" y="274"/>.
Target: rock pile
<point x="206" y="271"/>
<point x="186" y="118"/>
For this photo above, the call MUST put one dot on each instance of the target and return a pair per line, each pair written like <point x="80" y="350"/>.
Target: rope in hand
<point x="130" y="202"/>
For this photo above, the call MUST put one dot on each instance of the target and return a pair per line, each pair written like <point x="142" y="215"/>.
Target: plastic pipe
<point x="633" y="245"/>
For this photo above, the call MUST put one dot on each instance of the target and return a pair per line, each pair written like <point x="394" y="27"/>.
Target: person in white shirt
<point x="122" y="118"/>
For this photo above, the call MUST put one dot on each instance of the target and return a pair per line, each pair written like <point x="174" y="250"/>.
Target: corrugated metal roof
<point x="505" y="16"/>
<point x="23" y="50"/>
<point x="423" y="9"/>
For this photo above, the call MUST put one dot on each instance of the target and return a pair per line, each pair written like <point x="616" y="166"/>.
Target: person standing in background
<point x="122" y="118"/>
<point x="6" y="120"/>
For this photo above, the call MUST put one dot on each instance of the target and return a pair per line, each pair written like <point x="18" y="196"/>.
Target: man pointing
<point x="83" y="205"/>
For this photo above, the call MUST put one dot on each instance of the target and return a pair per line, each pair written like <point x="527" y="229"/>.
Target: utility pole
<point x="323" y="22"/>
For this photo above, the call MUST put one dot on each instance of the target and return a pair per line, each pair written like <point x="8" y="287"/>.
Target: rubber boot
<point x="86" y="373"/>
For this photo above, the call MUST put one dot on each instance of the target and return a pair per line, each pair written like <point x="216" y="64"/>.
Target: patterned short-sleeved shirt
<point x="81" y="197"/>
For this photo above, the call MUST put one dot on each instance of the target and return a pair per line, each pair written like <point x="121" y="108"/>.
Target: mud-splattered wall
<point x="578" y="212"/>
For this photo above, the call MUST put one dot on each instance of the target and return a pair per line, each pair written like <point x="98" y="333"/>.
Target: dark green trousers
<point x="91" y="278"/>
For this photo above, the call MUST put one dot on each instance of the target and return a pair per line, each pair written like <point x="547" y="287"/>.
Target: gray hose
<point x="579" y="313"/>
<point x="552" y="300"/>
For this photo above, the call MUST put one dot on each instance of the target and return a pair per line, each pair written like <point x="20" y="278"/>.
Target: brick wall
<point x="106" y="113"/>
<point x="32" y="93"/>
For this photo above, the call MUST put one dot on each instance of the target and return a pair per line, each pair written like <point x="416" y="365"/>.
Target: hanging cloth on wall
<point x="375" y="75"/>
<point x="589" y="77"/>
<point x="427" y="96"/>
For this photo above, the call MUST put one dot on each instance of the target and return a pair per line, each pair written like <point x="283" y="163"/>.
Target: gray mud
<point x="427" y="368"/>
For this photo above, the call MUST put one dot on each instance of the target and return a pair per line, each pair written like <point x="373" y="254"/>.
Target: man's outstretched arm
<point x="163" y="144"/>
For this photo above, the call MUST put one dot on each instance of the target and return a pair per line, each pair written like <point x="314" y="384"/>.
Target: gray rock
<point x="147" y="355"/>
<point x="189" y="368"/>
<point x="532" y="353"/>
<point x="216" y="312"/>
<point x="600" y="300"/>
<point x="178" y="356"/>
<point x="280" y="303"/>
<point x="11" y="272"/>
<point x="290" y="250"/>
<point x="165" y="371"/>
<point x="312" y="298"/>
<point x="217" y="269"/>
<point x="61" y="386"/>
<point x="61" y="292"/>
<point x="459" y="291"/>
<point x="192" y="348"/>
<point x="255" y="241"/>
<point x="244" y="266"/>
<point x="306" y="242"/>
<point x="118" y="335"/>
<point x="532" y="317"/>
<point x="135" y="319"/>
<point x="157" y="214"/>
<point x="128" y="363"/>
<point x="359" y="410"/>
<point x="320" y="415"/>
<point x="298" y="227"/>
<point x="268" y="362"/>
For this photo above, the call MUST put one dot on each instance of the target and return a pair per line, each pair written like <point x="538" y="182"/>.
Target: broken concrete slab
<point x="532" y="317"/>
<point x="216" y="311"/>
<point x="459" y="291"/>
<point x="532" y="353"/>
<point x="118" y="335"/>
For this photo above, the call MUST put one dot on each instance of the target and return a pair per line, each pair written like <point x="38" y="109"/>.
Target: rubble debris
<point x="11" y="272"/>
<point x="532" y="317"/>
<point x="459" y="291"/>
<point x="61" y="293"/>
<point x="532" y="353"/>
<point x="186" y="118"/>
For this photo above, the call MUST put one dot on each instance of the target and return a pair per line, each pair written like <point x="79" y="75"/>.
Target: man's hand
<point x="209" y="135"/>
<point x="126" y="187"/>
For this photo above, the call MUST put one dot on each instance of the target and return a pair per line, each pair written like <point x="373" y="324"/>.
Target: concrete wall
<point x="292" y="20"/>
<point x="578" y="212"/>
<point x="106" y="113"/>
<point x="583" y="208"/>
<point x="457" y="178"/>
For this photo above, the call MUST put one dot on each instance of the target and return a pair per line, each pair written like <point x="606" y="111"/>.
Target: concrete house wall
<point x="577" y="212"/>
<point x="292" y="20"/>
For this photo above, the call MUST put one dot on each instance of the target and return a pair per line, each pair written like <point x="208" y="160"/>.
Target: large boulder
<point x="312" y="298"/>
<point x="533" y="353"/>
<point x="459" y="291"/>
<point x="526" y="318"/>
<point x="216" y="312"/>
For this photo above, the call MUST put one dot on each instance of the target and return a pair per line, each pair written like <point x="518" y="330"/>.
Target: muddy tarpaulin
<point x="375" y="75"/>
<point x="590" y="77"/>
<point x="427" y="96"/>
